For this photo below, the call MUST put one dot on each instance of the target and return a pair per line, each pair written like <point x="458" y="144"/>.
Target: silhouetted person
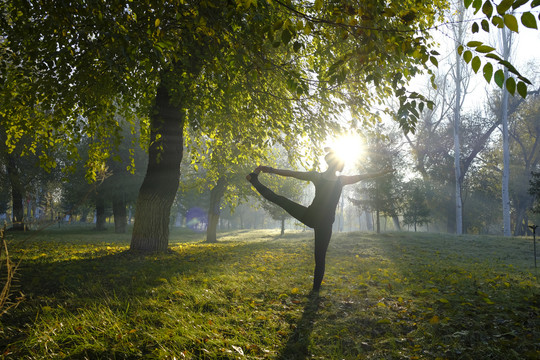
<point x="320" y="215"/>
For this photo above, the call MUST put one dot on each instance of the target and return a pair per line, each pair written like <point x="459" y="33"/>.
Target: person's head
<point x="333" y="160"/>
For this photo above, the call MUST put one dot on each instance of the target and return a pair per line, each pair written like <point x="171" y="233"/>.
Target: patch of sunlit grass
<point x="402" y="295"/>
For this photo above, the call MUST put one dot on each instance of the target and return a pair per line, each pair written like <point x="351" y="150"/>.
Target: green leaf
<point x="511" y="22"/>
<point x="504" y="5"/>
<point x="519" y="3"/>
<point x="484" y="49"/>
<point x="499" y="78"/>
<point x="511" y="85"/>
<point x="467" y="3"/>
<point x="487" y="9"/>
<point x="485" y="25"/>
<point x="528" y="20"/>
<point x="498" y="22"/>
<point x="494" y="57"/>
<point x="509" y="66"/>
<point x="460" y="49"/>
<point x="278" y="25"/>
<point x="522" y="89"/>
<point x="286" y="36"/>
<point x="475" y="28"/>
<point x="476" y="62"/>
<point x="477" y="4"/>
<point x="488" y="71"/>
<point x="434" y="61"/>
<point x="467" y="56"/>
<point x="535" y="3"/>
<point x="474" y="43"/>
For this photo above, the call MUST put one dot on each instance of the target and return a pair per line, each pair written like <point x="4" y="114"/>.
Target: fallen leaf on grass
<point x="238" y="349"/>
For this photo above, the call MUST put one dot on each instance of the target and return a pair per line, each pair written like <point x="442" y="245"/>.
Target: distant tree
<point x="381" y="195"/>
<point x="416" y="210"/>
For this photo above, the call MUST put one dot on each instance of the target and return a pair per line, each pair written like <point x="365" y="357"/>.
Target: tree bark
<point x="214" y="209"/>
<point x="160" y="184"/>
<point x="282" y="227"/>
<point x="120" y="215"/>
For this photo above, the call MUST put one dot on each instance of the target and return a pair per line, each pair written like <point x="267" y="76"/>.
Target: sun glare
<point x="349" y="148"/>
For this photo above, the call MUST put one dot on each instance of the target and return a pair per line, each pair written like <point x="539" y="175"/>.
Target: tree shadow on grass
<point x="297" y="347"/>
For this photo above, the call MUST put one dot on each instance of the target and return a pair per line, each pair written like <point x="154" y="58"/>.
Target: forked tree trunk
<point x="120" y="215"/>
<point x="158" y="190"/>
<point x="214" y="210"/>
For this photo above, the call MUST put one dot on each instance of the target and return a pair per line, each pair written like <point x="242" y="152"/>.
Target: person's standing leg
<point x="322" y="239"/>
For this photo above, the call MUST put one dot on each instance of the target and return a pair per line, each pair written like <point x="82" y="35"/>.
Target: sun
<point x="349" y="147"/>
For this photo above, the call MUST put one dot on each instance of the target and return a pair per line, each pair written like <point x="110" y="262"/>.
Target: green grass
<point x="390" y="296"/>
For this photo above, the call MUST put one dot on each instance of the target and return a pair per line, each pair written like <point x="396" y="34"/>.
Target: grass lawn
<point x="389" y="296"/>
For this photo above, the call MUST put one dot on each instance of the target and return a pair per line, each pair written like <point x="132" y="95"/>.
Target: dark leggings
<point x="323" y="231"/>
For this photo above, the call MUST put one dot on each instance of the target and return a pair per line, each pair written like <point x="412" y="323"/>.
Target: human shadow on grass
<point x="297" y="346"/>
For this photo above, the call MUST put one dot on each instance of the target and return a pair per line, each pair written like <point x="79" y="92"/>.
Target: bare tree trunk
<point x="459" y="30"/>
<point x="506" y="40"/>
<point x="378" y="220"/>
<point x="282" y="227"/>
<point x="214" y="209"/>
<point x="120" y="215"/>
<point x="100" y="213"/>
<point x="160" y="184"/>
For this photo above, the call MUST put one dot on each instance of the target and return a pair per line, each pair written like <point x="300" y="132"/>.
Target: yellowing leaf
<point x="157" y="22"/>
<point x="294" y="291"/>
<point x="434" y="320"/>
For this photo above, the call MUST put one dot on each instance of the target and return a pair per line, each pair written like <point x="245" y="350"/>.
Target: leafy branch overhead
<point x="499" y="16"/>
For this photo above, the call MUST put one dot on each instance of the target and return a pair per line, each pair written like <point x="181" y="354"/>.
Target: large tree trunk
<point x="158" y="190"/>
<point x="214" y="209"/>
<point x="16" y="194"/>
<point x="120" y="215"/>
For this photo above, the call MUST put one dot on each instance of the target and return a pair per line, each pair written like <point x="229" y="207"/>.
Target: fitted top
<point x="323" y="208"/>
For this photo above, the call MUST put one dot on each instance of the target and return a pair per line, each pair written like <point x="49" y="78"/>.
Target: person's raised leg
<point x="295" y="210"/>
<point x="322" y="239"/>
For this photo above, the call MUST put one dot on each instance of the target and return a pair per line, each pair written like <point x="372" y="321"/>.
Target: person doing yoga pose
<point x="320" y="215"/>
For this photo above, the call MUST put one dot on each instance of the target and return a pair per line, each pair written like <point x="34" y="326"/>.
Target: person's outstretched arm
<point x="353" y="179"/>
<point x="300" y="175"/>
